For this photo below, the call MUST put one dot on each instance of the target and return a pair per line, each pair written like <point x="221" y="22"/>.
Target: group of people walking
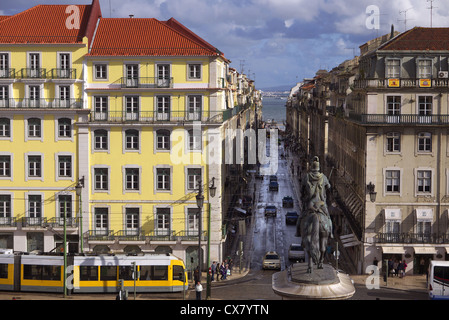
<point x="397" y="267"/>
<point x="222" y="271"/>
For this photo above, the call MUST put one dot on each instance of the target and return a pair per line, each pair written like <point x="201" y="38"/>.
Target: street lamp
<point x="372" y="193"/>
<point x="79" y="188"/>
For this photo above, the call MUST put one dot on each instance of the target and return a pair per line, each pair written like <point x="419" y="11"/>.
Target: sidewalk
<point x="415" y="283"/>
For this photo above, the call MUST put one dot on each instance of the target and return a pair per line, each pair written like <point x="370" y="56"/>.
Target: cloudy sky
<point x="277" y="42"/>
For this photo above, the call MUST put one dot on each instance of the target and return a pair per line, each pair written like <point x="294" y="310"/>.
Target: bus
<point x="438" y="280"/>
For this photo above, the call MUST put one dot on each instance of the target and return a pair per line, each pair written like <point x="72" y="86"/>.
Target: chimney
<point x="131" y="16"/>
<point x="392" y="31"/>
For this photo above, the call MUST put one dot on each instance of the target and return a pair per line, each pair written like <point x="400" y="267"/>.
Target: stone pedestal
<point x="322" y="284"/>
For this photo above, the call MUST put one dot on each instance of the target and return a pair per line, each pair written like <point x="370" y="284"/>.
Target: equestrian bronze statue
<point x="314" y="224"/>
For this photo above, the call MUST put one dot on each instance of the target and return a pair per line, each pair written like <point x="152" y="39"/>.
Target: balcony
<point x="42" y="103"/>
<point x="7" y="73"/>
<point x="145" y="82"/>
<point x="32" y="73"/>
<point x="400" y="119"/>
<point x="158" y="117"/>
<point x="402" y="83"/>
<point x="69" y="73"/>
<point x="412" y="238"/>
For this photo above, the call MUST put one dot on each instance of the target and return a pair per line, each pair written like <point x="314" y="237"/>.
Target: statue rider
<point x="313" y="196"/>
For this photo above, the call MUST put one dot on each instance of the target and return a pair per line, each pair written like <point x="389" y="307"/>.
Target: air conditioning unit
<point x="443" y="74"/>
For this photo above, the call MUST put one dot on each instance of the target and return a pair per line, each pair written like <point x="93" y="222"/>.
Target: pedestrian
<point x="401" y="269"/>
<point x="404" y="268"/>
<point x="196" y="274"/>
<point x="230" y="264"/>
<point x="395" y="267"/>
<point x="198" y="289"/>
<point x="223" y="271"/>
<point x="213" y="269"/>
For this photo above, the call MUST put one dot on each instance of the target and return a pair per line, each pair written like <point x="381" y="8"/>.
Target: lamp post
<point x="79" y="188"/>
<point x="372" y="193"/>
<point x="199" y="203"/>
<point x="212" y="190"/>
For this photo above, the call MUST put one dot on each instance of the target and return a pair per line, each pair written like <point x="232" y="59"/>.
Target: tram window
<point x="126" y="273"/>
<point x="3" y="271"/>
<point x="178" y="273"/>
<point x="153" y="272"/>
<point x="88" y="273"/>
<point x="51" y="273"/>
<point x="108" y="273"/>
<point x="39" y="272"/>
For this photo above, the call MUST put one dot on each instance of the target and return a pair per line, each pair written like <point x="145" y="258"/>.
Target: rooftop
<point x="420" y="39"/>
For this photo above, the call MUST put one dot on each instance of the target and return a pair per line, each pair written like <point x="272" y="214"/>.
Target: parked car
<point x="270" y="210"/>
<point x="296" y="253"/>
<point x="274" y="186"/>
<point x="291" y="217"/>
<point x="287" y="202"/>
<point x="271" y="260"/>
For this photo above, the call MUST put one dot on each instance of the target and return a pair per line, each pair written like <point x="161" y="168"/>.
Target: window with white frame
<point x="65" y="166"/>
<point x="131" y="139"/>
<point x="64" y="128"/>
<point x="100" y="139"/>
<point x="34" y="166"/>
<point x="101" y="217"/>
<point x="65" y="207"/>
<point x="424" y="181"/>
<point x="132" y="221"/>
<point x="132" y="179"/>
<point x="393" y="68"/>
<point x="192" y="221"/>
<point x="4" y="65"/>
<point x="5" y="166"/>
<point x="195" y="107"/>
<point x="193" y="178"/>
<point x="163" y="179"/>
<point x="132" y="107"/>
<point x="194" y="139"/>
<point x="4" y="97"/>
<point x="100" y="71"/>
<point x="34" y="209"/>
<point x="101" y="176"/>
<point x="163" y="108"/>
<point x="5" y="128"/>
<point x="424" y="142"/>
<point x="34" y="128"/>
<point x="393" y="142"/>
<point x="34" y="96"/>
<point x="5" y="207"/>
<point x="162" y="139"/>
<point x="100" y="107"/>
<point x="163" y="221"/>
<point x="392" y="181"/>
<point x="393" y="105"/>
<point x="194" y="71"/>
<point x="424" y="69"/>
<point x="64" y="65"/>
<point x="425" y="105"/>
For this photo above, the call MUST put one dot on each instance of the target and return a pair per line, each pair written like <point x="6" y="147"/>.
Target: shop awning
<point x="425" y="250"/>
<point x="393" y="250"/>
<point x="393" y="214"/>
<point x="424" y="214"/>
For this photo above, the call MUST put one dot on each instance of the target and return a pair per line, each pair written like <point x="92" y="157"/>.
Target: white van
<point x="438" y="281"/>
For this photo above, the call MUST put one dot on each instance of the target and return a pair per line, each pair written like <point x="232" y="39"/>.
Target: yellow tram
<point x="93" y="273"/>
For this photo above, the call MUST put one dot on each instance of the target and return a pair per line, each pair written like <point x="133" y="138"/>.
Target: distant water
<point x="274" y="109"/>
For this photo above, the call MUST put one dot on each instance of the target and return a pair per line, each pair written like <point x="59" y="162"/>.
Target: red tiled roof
<point x="420" y="38"/>
<point x="45" y="24"/>
<point x="147" y="37"/>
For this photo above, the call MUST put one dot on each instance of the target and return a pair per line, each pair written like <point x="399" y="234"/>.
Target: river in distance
<point x="273" y="108"/>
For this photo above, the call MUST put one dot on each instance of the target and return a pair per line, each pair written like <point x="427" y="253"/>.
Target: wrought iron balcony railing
<point x="400" y="83"/>
<point x="156" y="117"/>
<point x="411" y="238"/>
<point x="36" y="73"/>
<point x="406" y="119"/>
<point x="145" y="82"/>
<point x="7" y="73"/>
<point x="57" y="73"/>
<point x="42" y="103"/>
